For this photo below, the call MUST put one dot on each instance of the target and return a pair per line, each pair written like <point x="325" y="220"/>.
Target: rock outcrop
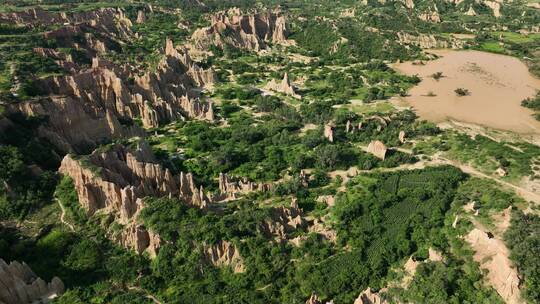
<point x="20" y="285"/>
<point x="101" y="103"/>
<point x="110" y="21"/>
<point x="408" y="3"/>
<point x="116" y="181"/>
<point x="431" y="15"/>
<point x="369" y="297"/>
<point x="495" y="7"/>
<point x="378" y="149"/>
<point x="471" y="11"/>
<point x="225" y="254"/>
<point x="231" y="187"/>
<point x="329" y="132"/>
<point x="402" y="136"/>
<point x="251" y="32"/>
<point x="426" y="41"/>
<point x="284" y="86"/>
<point x="141" y="17"/>
<point x="314" y="299"/>
<point x="493" y="256"/>
<point x="283" y="221"/>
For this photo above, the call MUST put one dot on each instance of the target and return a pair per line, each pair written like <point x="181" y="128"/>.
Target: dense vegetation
<point x="524" y="242"/>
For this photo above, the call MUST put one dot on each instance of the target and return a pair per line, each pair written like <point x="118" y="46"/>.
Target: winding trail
<point x="527" y="195"/>
<point x="522" y="192"/>
<point x="63" y="214"/>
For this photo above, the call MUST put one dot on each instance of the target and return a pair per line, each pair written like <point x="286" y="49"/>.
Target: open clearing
<point x="497" y="85"/>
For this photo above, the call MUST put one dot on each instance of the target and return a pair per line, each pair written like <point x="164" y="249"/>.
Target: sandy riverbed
<point x="497" y="84"/>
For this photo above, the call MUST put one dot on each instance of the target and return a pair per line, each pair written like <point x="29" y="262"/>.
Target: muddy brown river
<point x="497" y="85"/>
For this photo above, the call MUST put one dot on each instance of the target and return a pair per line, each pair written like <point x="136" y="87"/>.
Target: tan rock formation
<point x="314" y="299"/>
<point x="378" y="149"/>
<point x="349" y="127"/>
<point x="141" y="17"/>
<point x="231" y="187"/>
<point x="471" y="11"/>
<point x="20" y="285"/>
<point x="431" y="16"/>
<point x="329" y="132"/>
<point x="348" y="13"/>
<point x="408" y="3"/>
<point x="495" y="6"/>
<point x="492" y="254"/>
<point x="369" y="297"/>
<point x="250" y="32"/>
<point x="501" y="172"/>
<point x="423" y="41"/>
<point x="284" y="87"/>
<point x="329" y="200"/>
<point x="225" y="254"/>
<point x="402" y="136"/>
<point x="118" y="179"/>
<point x="99" y="104"/>
<point x="319" y="227"/>
<point x="283" y="221"/>
<point x="109" y="20"/>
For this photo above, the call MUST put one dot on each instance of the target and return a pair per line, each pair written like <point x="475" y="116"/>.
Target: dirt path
<point x="62" y="216"/>
<point x="523" y="193"/>
<point x="439" y="160"/>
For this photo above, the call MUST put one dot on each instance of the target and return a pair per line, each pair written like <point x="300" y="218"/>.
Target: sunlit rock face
<point x="251" y="32"/>
<point x="116" y="181"/>
<point x="20" y="285"/>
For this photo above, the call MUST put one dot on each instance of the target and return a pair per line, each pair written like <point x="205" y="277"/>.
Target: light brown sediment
<point x="497" y="84"/>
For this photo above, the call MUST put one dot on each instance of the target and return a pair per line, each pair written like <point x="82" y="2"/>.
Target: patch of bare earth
<point x="497" y="85"/>
<point x="493" y="255"/>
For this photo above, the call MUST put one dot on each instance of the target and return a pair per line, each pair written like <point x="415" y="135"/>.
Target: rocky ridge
<point x="426" y="41"/>
<point x="492" y="254"/>
<point x="284" y="220"/>
<point x="251" y="32"/>
<point x="115" y="181"/>
<point x="231" y="187"/>
<point x="284" y="86"/>
<point x="111" y="21"/>
<point x="368" y="296"/>
<point x="225" y="254"/>
<point x="100" y="103"/>
<point x="20" y="285"/>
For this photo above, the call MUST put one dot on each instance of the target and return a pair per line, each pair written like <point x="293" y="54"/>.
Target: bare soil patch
<point x="497" y="85"/>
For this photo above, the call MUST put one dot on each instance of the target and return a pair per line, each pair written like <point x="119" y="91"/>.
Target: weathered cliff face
<point x="284" y="221"/>
<point x="495" y="7"/>
<point x="378" y="149"/>
<point x="369" y="297"/>
<point x="225" y="254"/>
<point x="20" y="285"/>
<point x="250" y="32"/>
<point x="314" y="299"/>
<point x="116" y="181"/>
<point x="329" y="132"/>
<point x="230" y="187"/>
<point x="431" y="15"/>
<point x="110" y="21"/>
<point x="75" y="127"/>
<point x="493" y="256"/>
<point x="284" y="86"/>
<point x="101" y="103"/>
<point x="425" y="41"/>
